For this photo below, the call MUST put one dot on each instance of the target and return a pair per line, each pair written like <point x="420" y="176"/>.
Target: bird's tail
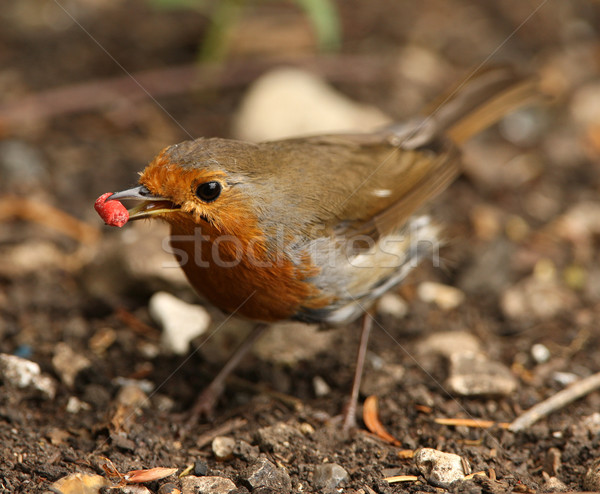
<point x="480" y="101"/>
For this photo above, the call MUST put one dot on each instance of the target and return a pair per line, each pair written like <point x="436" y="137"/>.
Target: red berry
<point x="112" y="212"/>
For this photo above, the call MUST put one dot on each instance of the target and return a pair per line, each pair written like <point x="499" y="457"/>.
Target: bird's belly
<point x="259" y="289"/>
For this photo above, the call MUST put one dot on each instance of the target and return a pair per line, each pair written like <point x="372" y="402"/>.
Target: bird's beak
<point x="150" y="205"/>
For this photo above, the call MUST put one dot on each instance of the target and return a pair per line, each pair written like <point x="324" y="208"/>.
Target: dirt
<point x="521" y="223"/>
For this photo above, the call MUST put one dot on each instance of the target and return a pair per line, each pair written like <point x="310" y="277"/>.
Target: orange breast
<point x="243" y="277"/>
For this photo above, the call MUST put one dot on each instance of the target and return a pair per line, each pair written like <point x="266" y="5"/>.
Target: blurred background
<point x="92" y="90"/>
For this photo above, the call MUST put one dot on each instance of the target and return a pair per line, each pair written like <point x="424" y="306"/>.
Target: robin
<point x="315" y="228"/>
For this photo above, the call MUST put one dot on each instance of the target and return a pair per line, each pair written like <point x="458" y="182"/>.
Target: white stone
<point x="288" y="102"/>
<point x="67" y="363"/>
<point x="448" y="343"/>
<point x="393" y="305"/>
<point x="25" y="374"/>
<point x="222" y="447"/>
<point x="444" y="296"/>
<point x="181" y="322"/>
<point x="321" y="387"/>
<point x="206" y="485"/>
<point x="540" y="353"/>
<point x="439" y="468"/>
<point x="474" y="374"/>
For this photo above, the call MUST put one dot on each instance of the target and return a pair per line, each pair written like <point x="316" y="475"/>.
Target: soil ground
<point x="522" y="223"/>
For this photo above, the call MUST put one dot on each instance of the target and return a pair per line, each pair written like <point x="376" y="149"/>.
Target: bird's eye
<point x="208" y="191"/>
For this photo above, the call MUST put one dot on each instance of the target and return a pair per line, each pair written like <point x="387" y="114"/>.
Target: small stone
<point x="329" y="476"/>
<point x="68" y="363"/>
<point x="321" y="387"/>
<point x="278" y="438"/>
<point x="288" y="102"/>
<point x="535" y="299"/>
<point x="473" y="374"/>
<point x="291" y="342"/>
<point x="169" y="488"/>
<point x="132" y="396"/>
<point x="448" y="343"/>
<point x="565" y="378"/>
<point x="134" y="489"/>
<point x="27" y="375"/>
<point x="591" y="481"/>
<point x="200" y="468"/>
<point x="246" y="451"/>
<point x="263" y="473"/>
<point x="393" y="305"/>
<point x="444" y="296"/>
<point x="206" y="485"/>
<point x="588" y="425"/>
<point x="222" y="447"/>
<point x="75" y="405"/>
<point x="553" y="484"/>
<point x="540" y="353"/>
<point x="83" y="483"/>
<point x="439" y="468"/>
<point x="181" y="322"/>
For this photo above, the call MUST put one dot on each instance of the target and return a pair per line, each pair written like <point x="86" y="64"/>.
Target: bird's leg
<point x="206" y="401"/>
<point x="349" y="418"/>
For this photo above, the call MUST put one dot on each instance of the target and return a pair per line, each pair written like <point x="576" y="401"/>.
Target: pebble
<point x="181" y="322"/>
<point x="565" y="378"/>
<point x="222" y="447"/>
<point x="449" y="343"/>
<point x="321" y="387"/>
<point x="263" y="473"/>
<point x="439" y="468"/>
<point x="587" y="426"/>
<point x="200" y="468"/>
<point x="246" y="451"/>
<point x="134" y="489"/>
<point x="444" y="296"/>
<point x="540" y="353"/>
<point x="206" y="485"/>
<point x="169" y="488"/>
<point x="288" y="102"/>
<point x="553" y="484"/>
<point x="278" y="437"/>
<point x="474" y="374"/>
<point x="292" y="342"/>
<point x="27" y="375"/>
<point x="393" y="305"/>
<point x="75" y="405"/>
<point x="132" y="396"/>
<point x="591" y="481"/>
<point x="68" y="363"/>
<point x="536" y="299"/>
<point x="81" y="483"/>
<point x="329" y="476"/>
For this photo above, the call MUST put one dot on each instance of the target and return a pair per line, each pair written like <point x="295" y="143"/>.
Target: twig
<point x="559" y="400"/>
<point x="225" y="428"/>
<point x="482" y="424"/>
<point x="169" y="81"/>
<point x="13" y="207"/>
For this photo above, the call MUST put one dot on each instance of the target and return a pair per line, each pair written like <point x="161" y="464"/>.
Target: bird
<point x="315" y="228"/>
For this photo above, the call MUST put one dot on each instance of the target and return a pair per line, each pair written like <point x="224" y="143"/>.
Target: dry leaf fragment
<point x="148" y="475"/>
<point x="371" y="420"/>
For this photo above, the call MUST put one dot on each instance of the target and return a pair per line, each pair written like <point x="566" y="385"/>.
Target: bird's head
<point x="191" y="184"/>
